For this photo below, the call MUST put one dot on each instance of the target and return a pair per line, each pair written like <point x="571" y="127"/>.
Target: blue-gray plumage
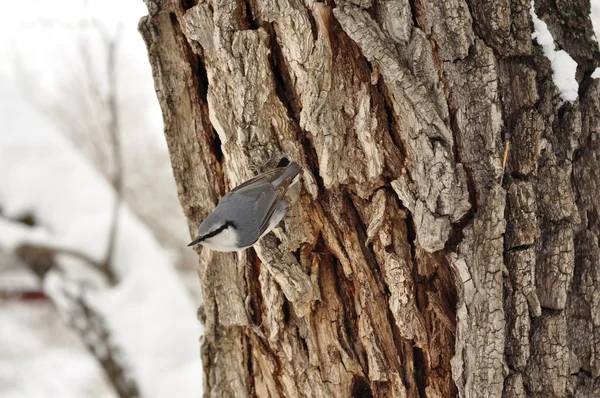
<point x="249" y="211"/>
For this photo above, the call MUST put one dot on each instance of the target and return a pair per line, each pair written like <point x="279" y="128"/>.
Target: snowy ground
<point x="41" y="358"/>
<point x="149" y="313"/>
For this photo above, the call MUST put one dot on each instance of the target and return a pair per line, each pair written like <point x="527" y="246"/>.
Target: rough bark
<point x="404" y="268"/>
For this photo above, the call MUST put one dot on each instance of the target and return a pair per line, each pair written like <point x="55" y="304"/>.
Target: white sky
<point x="39" y="50"/>
<point x="20" y="21"/>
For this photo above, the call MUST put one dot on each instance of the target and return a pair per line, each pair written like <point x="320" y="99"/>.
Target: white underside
<point x="226" y="241"/>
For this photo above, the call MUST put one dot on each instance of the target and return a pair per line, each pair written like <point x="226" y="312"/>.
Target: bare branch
<point x="114" y="133"/>
<point x="80" y="316"/>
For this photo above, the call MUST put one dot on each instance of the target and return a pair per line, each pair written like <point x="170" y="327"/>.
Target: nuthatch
<point x="249" y="211"/>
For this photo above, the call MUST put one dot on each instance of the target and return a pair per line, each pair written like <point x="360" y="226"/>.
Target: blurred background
<point x="98" y="291"/>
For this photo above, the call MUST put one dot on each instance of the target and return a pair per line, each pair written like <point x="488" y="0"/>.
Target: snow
<point x="15" y="277"/>
<point x="595" y="17"/>
<point x="41" y="358"/>
<point x="563" y="66"/>
<point x="150" y="316"/>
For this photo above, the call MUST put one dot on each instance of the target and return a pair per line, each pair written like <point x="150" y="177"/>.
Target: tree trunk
<point x="406" y="268"/>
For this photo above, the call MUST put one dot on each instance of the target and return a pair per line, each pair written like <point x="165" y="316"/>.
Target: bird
<point x="249" y="211"/>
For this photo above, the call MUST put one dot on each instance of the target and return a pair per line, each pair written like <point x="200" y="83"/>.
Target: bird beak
<point x="196" y="241"/>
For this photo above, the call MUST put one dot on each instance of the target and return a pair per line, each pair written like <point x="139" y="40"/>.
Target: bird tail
<point x="292" y="171"/>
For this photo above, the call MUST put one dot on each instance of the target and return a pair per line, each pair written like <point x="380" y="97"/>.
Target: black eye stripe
<point x="219" y="230"/>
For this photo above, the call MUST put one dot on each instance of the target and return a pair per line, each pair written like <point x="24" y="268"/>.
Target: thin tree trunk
<point x="405" y="268"/>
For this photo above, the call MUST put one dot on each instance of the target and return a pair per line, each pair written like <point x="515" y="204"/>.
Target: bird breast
<point x="226" y="241"/>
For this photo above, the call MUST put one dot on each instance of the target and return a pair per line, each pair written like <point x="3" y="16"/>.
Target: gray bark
<point x="405" y="268"/>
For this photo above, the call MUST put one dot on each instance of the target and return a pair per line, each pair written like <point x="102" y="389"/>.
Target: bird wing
<point x="268" y="177"/>
<point x="265" y="195"/>
<point x="267" y="213"/>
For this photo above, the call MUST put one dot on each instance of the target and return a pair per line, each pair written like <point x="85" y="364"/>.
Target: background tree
<point x="90" y="95"/>
<point x="406" y="268"/>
